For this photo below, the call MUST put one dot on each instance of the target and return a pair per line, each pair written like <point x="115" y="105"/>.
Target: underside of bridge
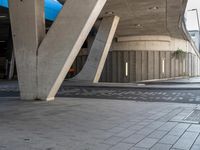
<point x="124" y="41"/>
<point x="143" y="17"/>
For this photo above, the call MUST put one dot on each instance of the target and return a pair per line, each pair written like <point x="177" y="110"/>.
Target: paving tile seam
<point x="133" y="134"/>
<point x="177" y="139"/>
<point x="182" y="135"/>
<point x="150" y="133"/>
<point x="195" y="141"/>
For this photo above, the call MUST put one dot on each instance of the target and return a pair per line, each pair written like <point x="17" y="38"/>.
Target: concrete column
<point x="93" y="67"/>
<point x="28" y="30"/>
<point x="60" y="47"/>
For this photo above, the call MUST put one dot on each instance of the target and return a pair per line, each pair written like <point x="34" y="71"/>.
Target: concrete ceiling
<point x="138" y="17"/>
<point x="147" y="17"/>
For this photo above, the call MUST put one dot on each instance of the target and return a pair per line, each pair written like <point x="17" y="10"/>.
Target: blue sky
<point x="191" y="15"/>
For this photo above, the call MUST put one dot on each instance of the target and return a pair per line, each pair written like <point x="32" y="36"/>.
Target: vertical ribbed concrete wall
<point x="148" y="65"/>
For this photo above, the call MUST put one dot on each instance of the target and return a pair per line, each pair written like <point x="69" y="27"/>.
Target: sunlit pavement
<point x="101" y="118"/>
<point x="97" y="124"/>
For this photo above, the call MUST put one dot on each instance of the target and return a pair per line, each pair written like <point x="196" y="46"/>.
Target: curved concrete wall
<point x="146" y="58"/>
<point x="149" y="57"/>
<point x="151" y="43"/>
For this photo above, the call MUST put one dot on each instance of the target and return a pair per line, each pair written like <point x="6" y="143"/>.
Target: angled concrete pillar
<point x="93" y="67"/>
<point x="60" y="47"/>
<point x="28" y="30"/>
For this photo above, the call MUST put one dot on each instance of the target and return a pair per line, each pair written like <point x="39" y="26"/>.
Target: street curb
<point x="133" y="87"/>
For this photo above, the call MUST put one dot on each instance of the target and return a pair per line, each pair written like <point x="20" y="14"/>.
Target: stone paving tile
<point x="194" y="128"/>
<point x="147" y="143"/>
<point x="116" y="130"/>
<point x="186" y="140"/>
<point x="157" y="116"/>
<point x="160" y="146"/>
<point x="171" y="114"/>
<point x="89" y="147"/>
<point x="145" y="122"/>
<point x="179" y="118"/>
<point x="167" y="126"/>
<point x="126" y="124"/>
<point x="137" y="148"/>
<point x="145" y="131"/>
<point x="179" y="129"/>
<point x="197" y="142"/>
<point x="135" y="138"/>
<point x="125" y="133"/>
<point x="121" y="146"/>
<point x="195" y="147"/>
<point x="136" y="127"/>
<point x="100" y="134"/>
<point x="113" y="140"/>
<point x="157" y="134"/>
<point x="169" y="139"/>
<point x="155" y="124"/>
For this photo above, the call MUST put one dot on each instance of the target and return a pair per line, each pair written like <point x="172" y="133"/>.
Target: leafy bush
<point x="179" y="54"/>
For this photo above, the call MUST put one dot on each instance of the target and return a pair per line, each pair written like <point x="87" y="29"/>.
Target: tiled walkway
<point x="96" y="124"/>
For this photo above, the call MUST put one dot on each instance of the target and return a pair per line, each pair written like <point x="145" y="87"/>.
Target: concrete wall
<point x="148" y="65"/>
<point x="145" y="58"/>
<point x="151" y="43"/>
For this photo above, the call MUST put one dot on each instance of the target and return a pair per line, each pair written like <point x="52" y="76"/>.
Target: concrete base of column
<point x="28" y="30"/>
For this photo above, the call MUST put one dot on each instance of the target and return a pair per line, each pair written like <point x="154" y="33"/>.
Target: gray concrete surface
<point x="91" y="71"/>
<point x="153" y="17"/>
<point x="28" y="30"/>
<point x="64" y="40"/>
<point x="93" y="124"/>
<point x="181" y="80"/>
<point x="43" y="62"/>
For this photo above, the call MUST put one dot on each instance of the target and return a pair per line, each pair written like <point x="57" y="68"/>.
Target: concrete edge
<point x="142" y="86"/>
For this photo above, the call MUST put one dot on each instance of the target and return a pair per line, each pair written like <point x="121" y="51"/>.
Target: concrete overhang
<point x="148" y="17"/>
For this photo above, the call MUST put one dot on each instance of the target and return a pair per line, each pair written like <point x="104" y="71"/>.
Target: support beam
<point x="93" y="67"/>
<point x="60" y="47"/>
<point x="28" y="30"/>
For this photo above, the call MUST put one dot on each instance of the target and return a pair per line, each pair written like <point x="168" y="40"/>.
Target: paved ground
<point x="94" y="124"/>
<point x="150" y="94"/>
<point x="102" y="118"/>
<point x="147" y="95"/>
